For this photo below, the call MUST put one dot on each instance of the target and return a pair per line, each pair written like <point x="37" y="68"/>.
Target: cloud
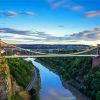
<point x="97" y="29"/>
<point x="41" y="37"/>
<point x="29" y="13"/>
<point x="14" y="13"/>
<point x="10" y="13"/>
<point x="74" y="7"/>
<point x="87" y="35"/>
<point x="57" y="5"/>
<point x="67" y="4"/>
<point x="98" y="36"/>
<point x="14" y="31"/>
<point x="23" y="34"/>
<point x="92" y="14"/>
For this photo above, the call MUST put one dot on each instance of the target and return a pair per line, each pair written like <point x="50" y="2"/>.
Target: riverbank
<point x="75" y="92"/>
<point x="34" y="86"/>
<point x="66" y="84"/>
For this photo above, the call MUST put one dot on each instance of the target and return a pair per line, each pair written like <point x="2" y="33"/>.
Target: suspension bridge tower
<point x="96" y="60"/>
<point x="98" y="49"/>
<point x="0" y="47"/>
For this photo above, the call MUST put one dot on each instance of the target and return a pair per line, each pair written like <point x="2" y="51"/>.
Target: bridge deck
<point x="50" y="55"/>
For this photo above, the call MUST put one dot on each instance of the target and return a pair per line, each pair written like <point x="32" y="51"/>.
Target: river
<point x="51" y="86"/>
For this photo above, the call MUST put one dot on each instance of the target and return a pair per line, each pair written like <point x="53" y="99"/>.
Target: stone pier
<point x="96" y="60"/>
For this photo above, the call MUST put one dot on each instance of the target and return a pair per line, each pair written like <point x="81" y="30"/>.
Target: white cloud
<point x="29" y="13"/>
<point x="24" y="36"/>
<point x="14" y="13"/>
<point x="10" y="13"/>
<point x="91" y="14"/>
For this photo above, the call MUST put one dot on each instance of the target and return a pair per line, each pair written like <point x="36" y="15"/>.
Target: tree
<point x="98" y="95"/>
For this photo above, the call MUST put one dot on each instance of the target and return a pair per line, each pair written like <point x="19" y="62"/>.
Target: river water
<point x="51" y="86"/>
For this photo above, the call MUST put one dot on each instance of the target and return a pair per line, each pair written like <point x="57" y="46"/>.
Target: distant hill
<point x="53" y="47"/>
<point x="3" y="44"/>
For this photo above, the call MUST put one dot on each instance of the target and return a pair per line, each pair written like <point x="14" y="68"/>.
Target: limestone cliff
<point x="5" y="80"/>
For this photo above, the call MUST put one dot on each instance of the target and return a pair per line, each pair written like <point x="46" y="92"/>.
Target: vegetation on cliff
<point x="22" y="72"/>
<point x="5" y="80"/>
<point x="78" y="72"/>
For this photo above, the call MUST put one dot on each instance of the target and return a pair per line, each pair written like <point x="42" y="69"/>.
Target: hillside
<point x="77" y="72"/>
<point x="3" y="44"/>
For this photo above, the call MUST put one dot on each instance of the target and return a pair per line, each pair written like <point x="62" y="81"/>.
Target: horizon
<point x="45" y="44"/>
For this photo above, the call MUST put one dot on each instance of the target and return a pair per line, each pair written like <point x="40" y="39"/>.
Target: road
<point x="32" y="82"/>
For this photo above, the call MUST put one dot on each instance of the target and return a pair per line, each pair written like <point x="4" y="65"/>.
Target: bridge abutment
<point x="98" y="49"/>
<point x="96" y="60"/>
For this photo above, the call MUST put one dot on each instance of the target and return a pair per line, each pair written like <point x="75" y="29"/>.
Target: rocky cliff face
<point x="3" y="88"/>
<point x="5" y="81"/>
<point x="8" y="86"/>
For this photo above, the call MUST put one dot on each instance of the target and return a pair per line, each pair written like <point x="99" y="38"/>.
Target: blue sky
<point x="55" y="18"/>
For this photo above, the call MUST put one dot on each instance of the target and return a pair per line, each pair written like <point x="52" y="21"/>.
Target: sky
<point x="50" y="21"/>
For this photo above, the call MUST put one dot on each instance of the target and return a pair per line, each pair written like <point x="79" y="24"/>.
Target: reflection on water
<point x="51" y="86"/>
